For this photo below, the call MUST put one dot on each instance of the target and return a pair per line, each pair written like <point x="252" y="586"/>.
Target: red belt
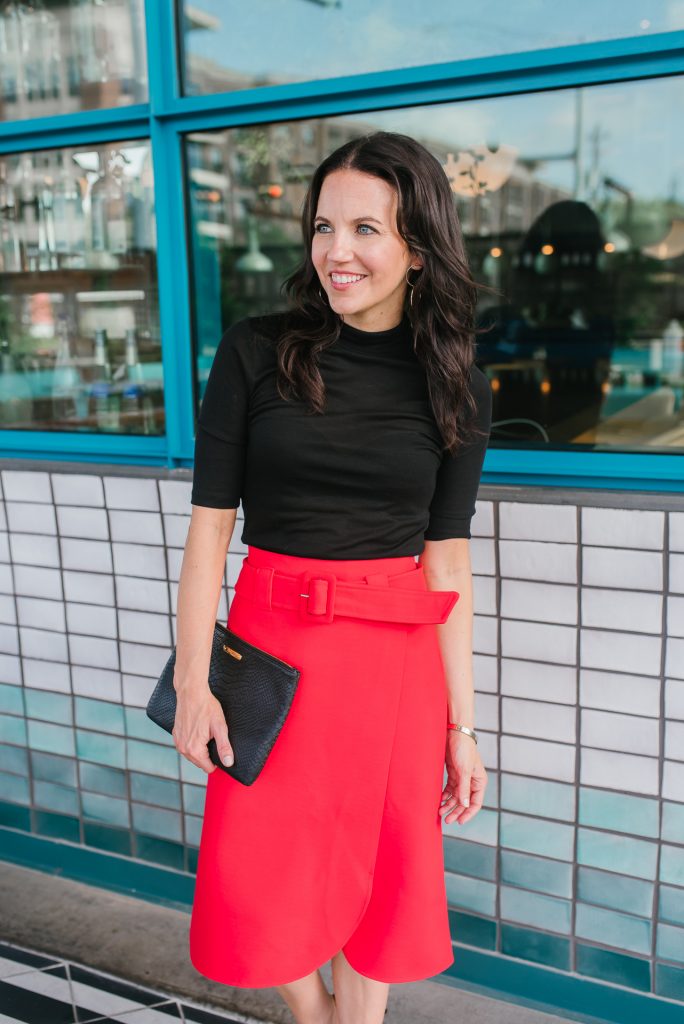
<point x="319" y="595"/>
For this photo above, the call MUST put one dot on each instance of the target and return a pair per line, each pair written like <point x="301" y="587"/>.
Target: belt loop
<point x="377" y="579"/>
<point x="263" y="586"/>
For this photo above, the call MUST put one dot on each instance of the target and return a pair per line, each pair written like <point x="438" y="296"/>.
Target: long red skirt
<point x="337" y="845"/>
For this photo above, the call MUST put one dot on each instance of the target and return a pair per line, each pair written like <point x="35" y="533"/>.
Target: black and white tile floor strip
<point x="38" y="989"/>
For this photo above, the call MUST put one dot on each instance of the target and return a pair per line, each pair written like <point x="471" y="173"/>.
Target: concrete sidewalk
<point x="147" y="944"/>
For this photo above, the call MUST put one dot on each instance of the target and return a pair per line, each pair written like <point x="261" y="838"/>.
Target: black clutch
<point x="255" y="690"/>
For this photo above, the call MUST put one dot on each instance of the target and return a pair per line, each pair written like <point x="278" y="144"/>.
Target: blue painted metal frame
<point x="169" y="115"/>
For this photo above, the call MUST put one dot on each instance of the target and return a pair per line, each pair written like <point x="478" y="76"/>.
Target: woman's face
<point x="360" y="257"/>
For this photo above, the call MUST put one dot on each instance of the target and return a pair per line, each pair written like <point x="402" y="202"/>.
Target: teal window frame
<point x="168" y="115"/>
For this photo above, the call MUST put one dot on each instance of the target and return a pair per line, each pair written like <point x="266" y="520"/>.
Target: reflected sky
<point x="352" y="36"/>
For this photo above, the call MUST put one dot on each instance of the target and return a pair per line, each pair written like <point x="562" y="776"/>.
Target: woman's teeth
<point x="346" y="278"/>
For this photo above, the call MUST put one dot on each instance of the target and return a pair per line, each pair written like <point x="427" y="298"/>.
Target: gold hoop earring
<point x="410" y="285"/>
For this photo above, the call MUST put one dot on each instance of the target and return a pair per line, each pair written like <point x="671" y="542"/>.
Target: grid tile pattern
<point x="577" y="859"/>
<point x="35" y="989"/>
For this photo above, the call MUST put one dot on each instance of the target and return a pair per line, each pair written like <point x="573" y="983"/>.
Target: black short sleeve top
<point x="365" y="479"/>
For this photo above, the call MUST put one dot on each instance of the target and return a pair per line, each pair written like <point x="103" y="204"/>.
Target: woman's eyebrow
<point x="354" y="221"/>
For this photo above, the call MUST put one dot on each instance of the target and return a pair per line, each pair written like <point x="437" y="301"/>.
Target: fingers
<point x="457" y="803"/>
<point x="199" y="758"/>
<point x="193" y="732"/>
<point x="225" y="751"/>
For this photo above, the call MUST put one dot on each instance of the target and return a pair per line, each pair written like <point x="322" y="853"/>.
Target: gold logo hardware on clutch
<point x="234" y="654"/>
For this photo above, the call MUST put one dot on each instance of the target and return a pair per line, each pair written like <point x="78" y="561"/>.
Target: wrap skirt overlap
<point x="337" y="845"/>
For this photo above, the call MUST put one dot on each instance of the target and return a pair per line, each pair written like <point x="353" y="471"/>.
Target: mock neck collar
<point x="391" y="335"/>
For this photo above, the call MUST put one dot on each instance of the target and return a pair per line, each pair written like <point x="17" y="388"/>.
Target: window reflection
<point x="80" y="55"/>
<point x="227" y="47"/>
<point x="570" y="205"/>
<point x="79" y="326"/>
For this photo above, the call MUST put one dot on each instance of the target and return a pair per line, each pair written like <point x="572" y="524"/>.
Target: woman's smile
<point x="343" y="281"/>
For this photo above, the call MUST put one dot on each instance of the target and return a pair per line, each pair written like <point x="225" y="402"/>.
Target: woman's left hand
<point x="464" y="791"/>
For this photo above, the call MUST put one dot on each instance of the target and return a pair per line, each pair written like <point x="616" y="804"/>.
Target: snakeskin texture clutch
<point x="255" y="690"/>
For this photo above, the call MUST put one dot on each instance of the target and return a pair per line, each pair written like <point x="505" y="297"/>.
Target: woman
<point x="345" y="425"/>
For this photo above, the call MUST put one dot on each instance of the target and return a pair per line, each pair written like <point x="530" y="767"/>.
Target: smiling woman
<point x="341" y="426"/>
<point x="350" y="247"/>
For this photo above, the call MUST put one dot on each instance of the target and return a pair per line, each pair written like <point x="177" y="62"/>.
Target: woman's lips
<point x="340" y="286"/>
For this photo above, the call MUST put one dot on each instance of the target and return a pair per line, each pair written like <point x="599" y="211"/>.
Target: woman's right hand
<point x="199" y="716"/>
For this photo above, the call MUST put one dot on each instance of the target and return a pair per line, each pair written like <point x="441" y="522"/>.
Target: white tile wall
<point x="674" y="657"/>
<point x="538" y="757"/>
<point x="175" y="496"/>
<point x="674" y="698"/>
<point x="614" y="691"/>
<point x="142" y="595"/>
<point x="539" y="681"/>
<point x="520" y="520"/>
<point x="98" y="652"/>
<point x="485" y="673"/>
<point x="623" y="528"/>
<point x="142" y="659"/>
<point x="145" y="627"/>
<point x="95" y="588"/>
<point x="45" y="674"/>
<point x="485" y="634"/>
<point x="611" y="731"/>
<point x="90" y="555"/>
<point x="139" y="560"/>
<point x="26" y="485"/>
<point x="131" y="492"/>
<point x="676" y="531"/>
<point x="91" y="681"/>
<point x="676" y="584"/>
<point x="626" y="652"/>
<point x="624" y="772"/>
<point x="91" y="619"/>
<point x="484" y="595"/>
<point x="622" y="609"/>
<point x="30" y="517"/>
<point x="534" y="560"/>
<point x="35" y="582"/>
<point x="675" y="616"/>
<point x="28" y="549"/>
<point x="77" y="489"/>
<point x="539" y="641"/>
<point x="136" y="527"/>
<point x="619" y="567"/>
<point x="482" y="555"/>
<point x="578" y="632"/>
<point x="540" y="602"/>
<point x="538" y="718"/>
<point x="74" y="521"/>
<point x="674" y="741"/>
<point x="8" y="610"/>
<point x="673" y="783"/>
<point x="33" y="611"/>
<point x="483" y="520"/>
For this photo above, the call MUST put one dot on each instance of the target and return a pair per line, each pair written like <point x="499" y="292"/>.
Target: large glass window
<point x="572" y="205"/>
<point x="79" y="310"/>
<point x="56" y="58"/>
<point x="226" y="47"/>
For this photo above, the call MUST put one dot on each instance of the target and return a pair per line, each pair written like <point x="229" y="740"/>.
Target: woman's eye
<point x="317" y="227"/>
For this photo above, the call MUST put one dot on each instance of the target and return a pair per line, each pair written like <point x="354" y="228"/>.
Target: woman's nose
<point x="340" y="246"/>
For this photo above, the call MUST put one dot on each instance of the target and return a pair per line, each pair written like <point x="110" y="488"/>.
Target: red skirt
<point x="337" y="845"/>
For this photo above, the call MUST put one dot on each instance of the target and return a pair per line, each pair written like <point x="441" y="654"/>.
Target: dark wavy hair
<point x="442" y="312"/>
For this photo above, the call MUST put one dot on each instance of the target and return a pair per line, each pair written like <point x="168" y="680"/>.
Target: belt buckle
<point x="308" y="580"/>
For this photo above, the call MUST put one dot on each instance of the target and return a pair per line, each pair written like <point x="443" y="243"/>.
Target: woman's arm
<point x="446" y="564"/>
<point x="199" y="715"/>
